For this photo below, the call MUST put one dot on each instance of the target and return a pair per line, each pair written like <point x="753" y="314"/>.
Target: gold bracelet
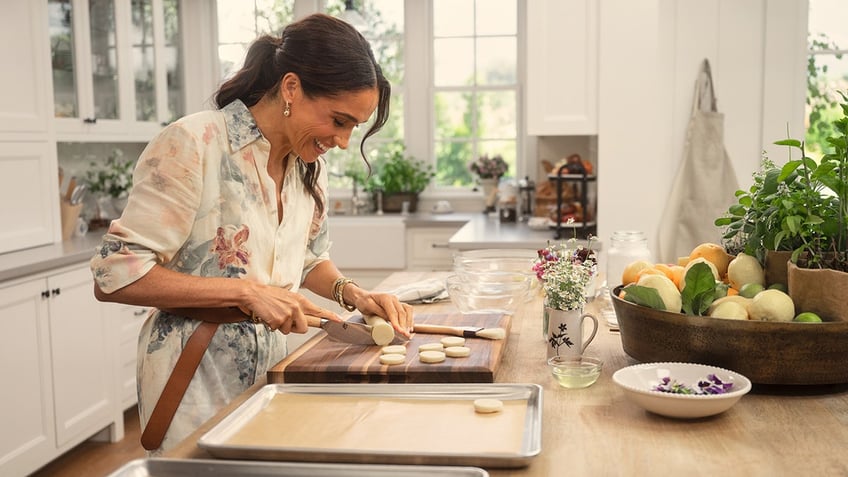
<point x="338" y="292"/>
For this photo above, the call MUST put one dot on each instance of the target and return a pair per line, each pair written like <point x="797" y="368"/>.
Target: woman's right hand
<point x="281" y="309"/>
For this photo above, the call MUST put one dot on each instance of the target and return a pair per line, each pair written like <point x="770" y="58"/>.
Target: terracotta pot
<point x="776" y="266"/>
<point x="765" y="352"/>
<point x="821" y="291"/>
<point x="393" y="202"/>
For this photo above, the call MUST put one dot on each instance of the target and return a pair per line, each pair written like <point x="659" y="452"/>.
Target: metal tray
<point x="216" y="441"/>
<point x="158" y="467"/>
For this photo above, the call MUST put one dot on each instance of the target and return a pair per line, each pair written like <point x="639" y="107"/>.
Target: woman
<point x="227" y="218"/>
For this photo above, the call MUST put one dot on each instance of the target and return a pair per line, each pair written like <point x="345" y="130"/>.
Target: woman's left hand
<point x="386" y="306"/>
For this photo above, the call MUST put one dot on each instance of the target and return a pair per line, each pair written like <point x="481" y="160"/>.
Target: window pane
<point x="272" y="16"/>
<point x="60" y="13"/>
<point x="143" y="60"/>
<point x="104" y="60"/>
<point x="496" y="61"/>
<point x="453" y="114"/>
<point x="828" y="17"/>
<point x="173" y="59"/>
<point x="496" y="17"/>
<point x="453" y="62"/>
<point x="496" y="113"/>
<point x="452" y="159"/>
<point x="236" y="21"/>
<point x="453" y="18"/>
<point x="231" y="58"/>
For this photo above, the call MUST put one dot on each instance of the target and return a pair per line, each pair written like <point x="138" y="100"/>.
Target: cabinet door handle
<point x="90" y="120"/>
<point x="56" y="291"/>
<point x="140" y="312"/>
<point x="439" y="245"/>
<point x="45" y="294"/>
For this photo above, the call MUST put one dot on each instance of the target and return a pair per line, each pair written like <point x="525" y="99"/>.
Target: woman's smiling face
<point x="318" y="124"/>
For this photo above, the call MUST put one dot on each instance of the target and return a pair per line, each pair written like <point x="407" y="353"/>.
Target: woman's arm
<point x="189" y="295"/>
<point x="323" y="276"/>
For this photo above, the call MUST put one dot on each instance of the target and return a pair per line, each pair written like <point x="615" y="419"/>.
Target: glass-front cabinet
<point x="116" y="68"/>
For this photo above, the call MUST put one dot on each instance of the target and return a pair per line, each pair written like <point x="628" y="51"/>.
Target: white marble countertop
<point x="47" y="257"/>
<point x="488" y="232"/>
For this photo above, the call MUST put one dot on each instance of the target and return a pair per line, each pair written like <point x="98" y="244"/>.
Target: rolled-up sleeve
<point x="167" y="190"/>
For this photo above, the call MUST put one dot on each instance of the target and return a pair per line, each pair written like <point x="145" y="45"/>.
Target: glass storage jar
<point x="626" y="246"/>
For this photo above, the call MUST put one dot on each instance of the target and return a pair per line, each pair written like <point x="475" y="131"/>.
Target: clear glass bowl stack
<point x="491" y="281"/>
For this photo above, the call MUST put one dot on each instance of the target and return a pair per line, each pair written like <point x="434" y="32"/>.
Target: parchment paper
<point x="384" y="424"/>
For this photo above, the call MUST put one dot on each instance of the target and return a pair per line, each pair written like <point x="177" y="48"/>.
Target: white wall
<point x="650" y="55"/>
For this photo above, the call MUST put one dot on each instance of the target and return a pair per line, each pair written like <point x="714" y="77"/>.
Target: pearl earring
<point x="287" y="111"/>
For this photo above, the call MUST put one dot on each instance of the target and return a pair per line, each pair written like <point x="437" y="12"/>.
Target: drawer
<point x="428" y="248"/>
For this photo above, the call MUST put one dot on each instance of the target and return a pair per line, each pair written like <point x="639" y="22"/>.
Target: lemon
<point x="745" y="269"/>
<point x="771" y="305"/>
<point x="730" y="310"/>
<point x="749" y="290"/>
<point x="808" y="317"/>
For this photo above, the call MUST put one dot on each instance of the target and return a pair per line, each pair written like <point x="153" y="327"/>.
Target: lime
<point x="808" y="317"/>
<point x="748" y="290"/>
<point x="778" y="286"/>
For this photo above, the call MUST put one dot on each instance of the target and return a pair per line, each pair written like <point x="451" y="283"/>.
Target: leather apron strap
<point x="175" y="387"/>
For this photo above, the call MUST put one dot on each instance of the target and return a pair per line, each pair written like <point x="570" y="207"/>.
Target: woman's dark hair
<point x="328" y="55"/>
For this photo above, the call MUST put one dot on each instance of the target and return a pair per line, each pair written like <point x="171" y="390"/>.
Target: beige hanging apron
<point x="705" y="184"/>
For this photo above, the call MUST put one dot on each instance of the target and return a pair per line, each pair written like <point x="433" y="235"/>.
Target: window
<point x="465" y="80"/>
<point x="241" y="21"/>
<point x="475" y="84"/>
<point x="827" y="70"/>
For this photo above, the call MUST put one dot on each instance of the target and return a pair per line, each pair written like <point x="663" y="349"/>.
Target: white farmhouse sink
<point x="368" y="241"/>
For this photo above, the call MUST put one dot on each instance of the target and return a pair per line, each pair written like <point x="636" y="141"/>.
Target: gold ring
<point x="255" y="318"/>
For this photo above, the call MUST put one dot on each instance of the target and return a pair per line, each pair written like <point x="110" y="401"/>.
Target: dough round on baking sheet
<point x="449" y="341"/>
<point x="431" y="347"/>
<point x="457" y="351"/>
<point x="392" y="358"/>
<point x="393" y="349"/>
<point x="487" y="405"/>
<point x="431" y="356"/>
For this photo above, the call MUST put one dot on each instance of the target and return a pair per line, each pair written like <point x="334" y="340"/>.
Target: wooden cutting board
<point x="322" y="360"/>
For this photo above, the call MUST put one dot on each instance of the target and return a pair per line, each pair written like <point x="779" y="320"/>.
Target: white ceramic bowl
<point x="638" y="382"/>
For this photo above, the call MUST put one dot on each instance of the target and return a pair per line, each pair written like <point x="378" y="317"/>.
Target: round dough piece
<point x="487" y="405"/>
<point x="449" y="341"/>
<point x="431" y="356"/>
<point x="431" y="347"/>
<point x="392" y="358"/>
<point x="457" y="351"/>
<point x="393" y="349"/>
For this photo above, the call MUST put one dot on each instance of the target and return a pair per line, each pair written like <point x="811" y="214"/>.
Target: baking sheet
<point x="158" y="467"/>
<point x="433" y="424"/>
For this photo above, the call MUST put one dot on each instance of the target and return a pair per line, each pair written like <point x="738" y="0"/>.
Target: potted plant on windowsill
<point x="399" y="178"/>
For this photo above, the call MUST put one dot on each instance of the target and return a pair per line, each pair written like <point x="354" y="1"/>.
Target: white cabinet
<point x="27" y="159"/>
<point x="57" y="366"/>
<point x="562" y="67"/>
<point x="24" y="105"/>
<point x="126" y="320"/>
<point x="427" y="248"/>
<point x="116" y="68"/>
<point x="28" y="438"/>
<point x="29" y="194"/>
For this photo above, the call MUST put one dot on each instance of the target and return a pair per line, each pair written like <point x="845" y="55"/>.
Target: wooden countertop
<point x="595" y="431"/>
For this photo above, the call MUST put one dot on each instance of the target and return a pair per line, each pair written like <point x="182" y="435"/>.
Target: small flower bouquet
<point x="112" y="178"/>
<point x="489" y="168"/>
<point x="565" y="270"/>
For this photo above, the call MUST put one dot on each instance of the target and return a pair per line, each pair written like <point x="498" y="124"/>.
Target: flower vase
<point x="565" y="334"/>
<point x="490" y="192"/>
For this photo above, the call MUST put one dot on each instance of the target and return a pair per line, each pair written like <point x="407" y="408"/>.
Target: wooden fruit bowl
<point x="765" y="352"/>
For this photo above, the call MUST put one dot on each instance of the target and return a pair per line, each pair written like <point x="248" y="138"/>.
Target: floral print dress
<point x="203" y="204"/>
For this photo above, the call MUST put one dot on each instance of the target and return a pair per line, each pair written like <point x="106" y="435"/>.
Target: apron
<point x="705" y="184"/>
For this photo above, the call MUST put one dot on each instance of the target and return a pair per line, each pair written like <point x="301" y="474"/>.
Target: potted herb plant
<point x="398" y="177"/>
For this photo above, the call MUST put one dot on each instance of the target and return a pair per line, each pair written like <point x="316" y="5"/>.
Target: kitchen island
<point x="595" y="431"/>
